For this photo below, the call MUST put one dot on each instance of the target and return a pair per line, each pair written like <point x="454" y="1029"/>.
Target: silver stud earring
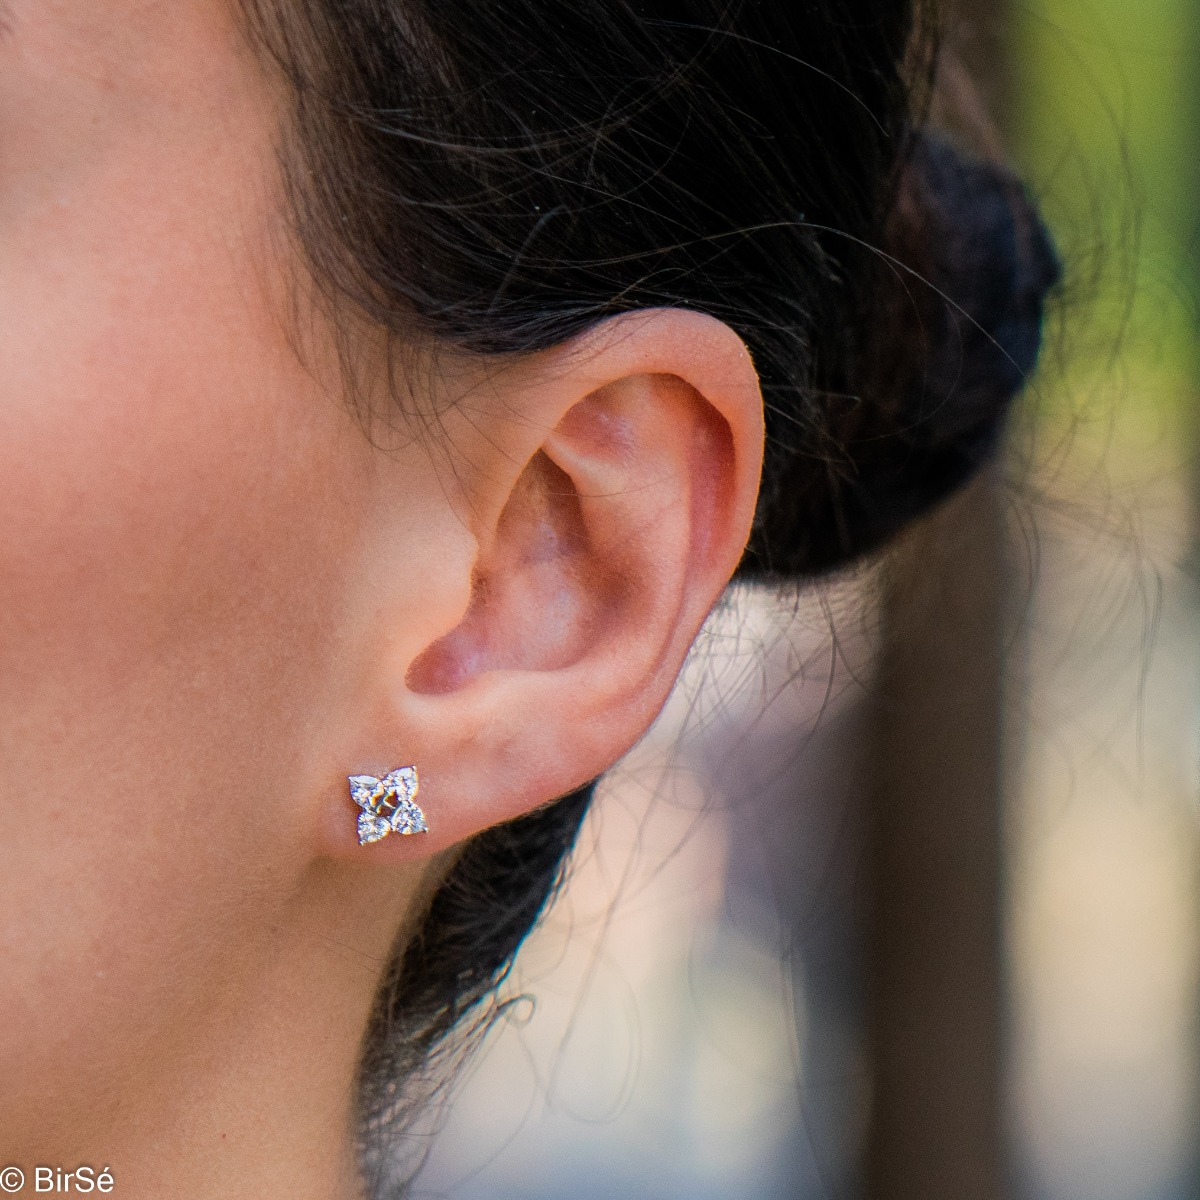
<point x="387" y="804"/>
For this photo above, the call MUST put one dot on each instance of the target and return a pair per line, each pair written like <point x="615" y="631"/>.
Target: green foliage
<point x="1104" y="125"/>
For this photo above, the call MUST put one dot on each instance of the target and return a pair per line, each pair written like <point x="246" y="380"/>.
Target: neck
<point x="252" y="1092"/>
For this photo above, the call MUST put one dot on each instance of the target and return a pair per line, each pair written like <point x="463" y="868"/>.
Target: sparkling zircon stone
<point x="387" y="804"/>
<point x="371" y="828"/>
<point x="408" y="818"/>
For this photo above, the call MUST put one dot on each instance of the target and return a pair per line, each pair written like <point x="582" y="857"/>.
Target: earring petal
<point x="402" y="782"/>
<point x="365" y="791"/>
<point x="408" y="818"/>
<point x="372" y="828"/>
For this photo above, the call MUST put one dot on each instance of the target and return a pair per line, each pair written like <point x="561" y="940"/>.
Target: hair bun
<point x="940" y="339"/>
<point x="969" y="229"/>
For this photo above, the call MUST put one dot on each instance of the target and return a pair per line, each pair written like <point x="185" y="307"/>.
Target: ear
<point x="608" y="488"/>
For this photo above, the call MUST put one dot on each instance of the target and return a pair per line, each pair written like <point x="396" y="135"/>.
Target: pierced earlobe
<point x="387" y="804"/>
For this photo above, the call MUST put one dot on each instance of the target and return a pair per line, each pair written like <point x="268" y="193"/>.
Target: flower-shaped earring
<point x="387" y="804"/>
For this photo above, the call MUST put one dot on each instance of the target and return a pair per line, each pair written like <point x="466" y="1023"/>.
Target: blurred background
<point x="899" y="898"/>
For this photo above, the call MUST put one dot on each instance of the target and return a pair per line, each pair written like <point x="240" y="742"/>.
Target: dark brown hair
<point x="497" y="175"/>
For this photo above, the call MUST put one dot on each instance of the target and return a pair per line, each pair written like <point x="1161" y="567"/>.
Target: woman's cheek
<point x="176" y="509"/>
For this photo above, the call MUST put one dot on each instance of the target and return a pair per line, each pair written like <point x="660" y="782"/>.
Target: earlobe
<point x="633" y="467"/>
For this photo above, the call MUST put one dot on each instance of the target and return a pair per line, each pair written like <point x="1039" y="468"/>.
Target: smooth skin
<point x="223" y="588"/>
